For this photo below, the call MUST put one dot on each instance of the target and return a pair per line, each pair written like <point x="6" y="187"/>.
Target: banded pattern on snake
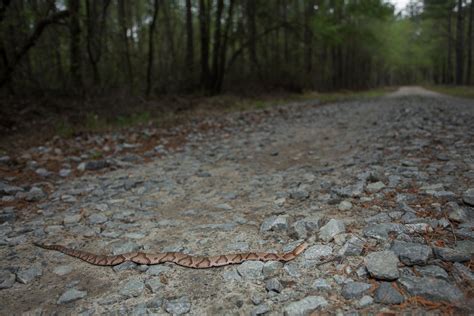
<point x="177" y="257"/>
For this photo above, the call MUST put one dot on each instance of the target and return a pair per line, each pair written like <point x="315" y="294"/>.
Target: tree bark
<point x="169" y="31"/>
<point x="125" y="42"/>
<point x="189" y="39"/>
<point x="217" y="44"/>
<point x="308" y="36"/>
<point x="449" y="64"/>
<point x="251" y="7"/>
<point x="469" y="45"/>
<point x="223" y="52"/>
<point x="151" y="48"/>
<point x="96" y="14"/>
<point x="204" y="30"/>
<point x="459" y="45"/>
<point x="3" y="7"/>
<point x="75" y="45"/>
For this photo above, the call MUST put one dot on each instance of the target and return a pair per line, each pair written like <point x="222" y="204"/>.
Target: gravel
<point x="305" y="306"/>
<point x="365" y="169"/>
<point x="431" y="288"/>
<point x="353" y="290"/>
<point x="71" y="295"/>
<point x="331" y="229"/>
<point x="382" y="265"/>
<point x="387" y="294"/>
<point x="412" y="253"/>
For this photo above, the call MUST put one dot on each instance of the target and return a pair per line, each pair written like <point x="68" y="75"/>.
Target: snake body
<point x="178" y="258"/>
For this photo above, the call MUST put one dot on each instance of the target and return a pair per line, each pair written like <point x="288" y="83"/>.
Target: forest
<point x="161" y="47"/>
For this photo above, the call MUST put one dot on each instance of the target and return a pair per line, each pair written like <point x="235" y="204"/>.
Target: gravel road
<point x="383" y="186"/>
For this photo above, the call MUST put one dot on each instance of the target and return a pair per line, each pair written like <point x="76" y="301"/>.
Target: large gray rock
<point x="452" y="255"/>
<point x="305" y="306"/>
<point x="382" y="265"/>
<point x="178" y="306"/>
<point x="156" y="270"/>
<point x="270" y="268"/>
<point x="274" y="223"/>
<point x="365" y="301"/>
<point x="317" y="252"/>
<point x="299" y="194"/>
<point x="431" y="288"/>
<point x="260" y="310"/>
<point x="251" y="270"/>
<point x="97" y="219"/>
<point x="468" y="197"/>
<point x="154" y="285"/>
<point x="462" y="274"/>
<point x="411" y="253"/>
<point x="432" y="271"/>
<point x="29" y="274"/>
<point x="304" y="227"/>
<point x="71" y="295"/>
<point x="355" y="290"/>
<point x="321" y="285"/>
<point x="132" y="288"/>
<point x="381" y="231"/>
<point x="387" y="294"/>
<point x="331" y="229"/>
<point x="375" y="186"/>
<point x="456" y="212"/>
<point x="353" y="247"/>
<point x="274" y="285"/>
<point x="7" y="279"/>
<point x="62" y="270"/>
<point x="35" y="194"/>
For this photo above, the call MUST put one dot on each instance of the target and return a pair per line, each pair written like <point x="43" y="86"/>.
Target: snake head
<point x="300" y="248"/>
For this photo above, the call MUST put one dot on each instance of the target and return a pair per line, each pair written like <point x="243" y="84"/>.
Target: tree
<point x="204" y="18"/>
<point x="151" y="47"/>
<point x="459" y="44"/>
<point x="75" y="62"/>
<point x="469" y="45"/>
<point x="30" y="42"/>
<point x="125" y="42"/>
<point x="189" y="40"/>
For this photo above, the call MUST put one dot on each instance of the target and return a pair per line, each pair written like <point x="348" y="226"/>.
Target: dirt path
<point x="384" y="185"/>
<point x="413" y="91"/>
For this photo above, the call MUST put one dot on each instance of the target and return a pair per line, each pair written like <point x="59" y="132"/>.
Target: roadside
<point x="455" y="91"/>
<point x="31" y="122"/>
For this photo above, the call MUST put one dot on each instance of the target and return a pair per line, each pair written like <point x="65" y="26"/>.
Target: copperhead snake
<point x="177" y="257"/>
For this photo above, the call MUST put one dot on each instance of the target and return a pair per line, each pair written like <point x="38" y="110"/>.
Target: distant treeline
<point x="152" y="47"/>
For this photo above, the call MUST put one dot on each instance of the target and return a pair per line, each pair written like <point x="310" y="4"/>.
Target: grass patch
<point x="64" y="129"/>
<point x="455" y="91"/>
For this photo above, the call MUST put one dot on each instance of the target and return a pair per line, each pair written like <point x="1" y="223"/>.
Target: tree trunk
<point x="251" y="7"/>
<point x="75" y="45"/>
<point x="223" y="52"/>
<point x="151" y="47"/>
<point x="308" y="36"/>
<point x="204" y="30"/>
<point x="169" y="31"/>
<point x="469" y="45"/>
<point x="449" y="65"/>
<point x="217" y="44"/>
<point x="126" y="46"/>
<point x="189" y="40"/>
<point x="460" y="45"/>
